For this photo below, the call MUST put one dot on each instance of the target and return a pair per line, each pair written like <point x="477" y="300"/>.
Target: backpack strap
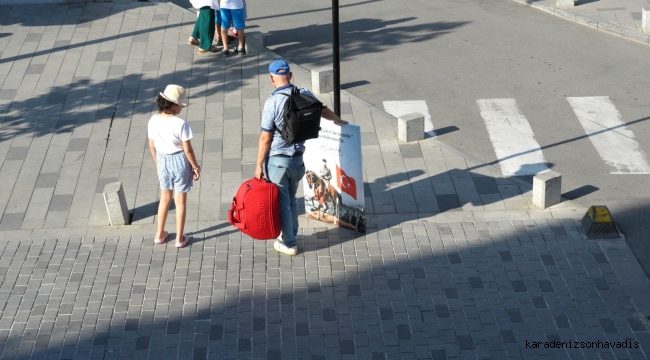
<point x="294" y="91"/>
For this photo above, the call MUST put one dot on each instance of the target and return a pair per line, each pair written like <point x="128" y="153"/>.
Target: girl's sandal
<point x="182" y="244"/>
<point x="162" y="239"/>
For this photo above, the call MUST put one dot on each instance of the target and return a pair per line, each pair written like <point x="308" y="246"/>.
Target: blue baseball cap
<point x="279" y="67"/>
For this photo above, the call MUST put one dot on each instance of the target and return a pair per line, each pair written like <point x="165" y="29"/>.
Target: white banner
<point x="333" y="183"/>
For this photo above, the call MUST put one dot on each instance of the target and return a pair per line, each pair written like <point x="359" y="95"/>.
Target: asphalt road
<point x="453" y="53"/>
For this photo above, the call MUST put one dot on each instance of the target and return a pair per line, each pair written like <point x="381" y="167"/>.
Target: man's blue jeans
<point x="286" y="174"/>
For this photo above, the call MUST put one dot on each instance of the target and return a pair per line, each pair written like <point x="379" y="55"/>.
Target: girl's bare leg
<point x="163" y="209"/>
<point x="180" y="200"/>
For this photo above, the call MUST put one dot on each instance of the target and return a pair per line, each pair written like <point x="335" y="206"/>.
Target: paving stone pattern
<point x="423" y="290"/>
<point x="75" y="101"/>
<point x="77" y="88"/>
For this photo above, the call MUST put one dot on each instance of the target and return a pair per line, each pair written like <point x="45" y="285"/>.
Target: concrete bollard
<point x="321" y="80"/>
<point x="565" y="3"/>
<point x="410" y="127"/>
<point x="118" y="212"/>
<point x="547" y="189"/>
<point x="254" y="42"/>
<point x="645" y="20"/>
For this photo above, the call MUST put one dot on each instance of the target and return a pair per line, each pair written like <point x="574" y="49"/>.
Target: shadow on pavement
<point x="83" y="101"/>
<point x="311" y="11"/>
<point x="79" y="14"/>
<point x="416" y="291"/>
<point x="358" y="36"/>
<point x="447" y="191"/>
<point x="630" y="220"/>
<point x="580" y="192"/>
<point x="353" y="84"/>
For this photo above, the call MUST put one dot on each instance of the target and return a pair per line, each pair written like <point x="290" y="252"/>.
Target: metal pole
<point x="336" y="58"/>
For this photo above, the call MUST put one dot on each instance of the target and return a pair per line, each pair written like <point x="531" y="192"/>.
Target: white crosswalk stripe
<point x="512" y="138"/>
<point x="612" y="139"/>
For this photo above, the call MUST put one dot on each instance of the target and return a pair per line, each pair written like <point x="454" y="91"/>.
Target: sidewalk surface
<point x="456" y="263"/>
<point x="617" y="17"/>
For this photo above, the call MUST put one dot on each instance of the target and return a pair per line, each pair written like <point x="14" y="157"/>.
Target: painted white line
<point x="401" y="108"/>
<point x="613" y="141"/>
<point x="512" y="138"/>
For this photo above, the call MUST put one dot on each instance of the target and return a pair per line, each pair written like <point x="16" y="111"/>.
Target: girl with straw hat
<point x="169" y="142"/>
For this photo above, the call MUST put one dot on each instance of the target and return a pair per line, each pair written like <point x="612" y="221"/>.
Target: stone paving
<point x="456" y="262"/>
<point x="74" y="117"/>
<point x="618" y="17"/>
<point x="424" y="290"/>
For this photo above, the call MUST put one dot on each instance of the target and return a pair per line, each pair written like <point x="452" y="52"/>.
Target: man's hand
<point x="330" y="115"/>
<point x="258" y="172"/>
<point x="264" y="145"/>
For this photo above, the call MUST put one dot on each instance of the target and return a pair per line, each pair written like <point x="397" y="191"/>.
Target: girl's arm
<point x="189" y="153"/>
<point x="152" y="148"/>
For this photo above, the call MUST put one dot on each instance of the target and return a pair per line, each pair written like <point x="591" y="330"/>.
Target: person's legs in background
<point x="217" y="28"/>
<point x="225" y="25"/>
<point x="239" y="21"/>
<point x="206" y="28"/>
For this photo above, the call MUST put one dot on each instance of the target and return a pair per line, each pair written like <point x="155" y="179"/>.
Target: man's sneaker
<point x="280" y="247"/>
<point x="225" y="52"/>
<point x="240" y="51"/>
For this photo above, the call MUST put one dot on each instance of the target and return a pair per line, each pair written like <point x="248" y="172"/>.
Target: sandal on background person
<point x="202" y="51"/>
<point x="193" y="41"/>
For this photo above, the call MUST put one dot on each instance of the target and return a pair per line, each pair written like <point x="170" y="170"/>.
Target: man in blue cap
<point x="284" y="164"/>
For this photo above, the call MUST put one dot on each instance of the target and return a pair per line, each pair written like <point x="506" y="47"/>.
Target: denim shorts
<point x="217" y="19"/>
<point x="235" y="16"/>
<point x="174" y="172"/>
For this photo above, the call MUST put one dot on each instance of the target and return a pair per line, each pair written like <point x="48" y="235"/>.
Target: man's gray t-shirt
<point x="272" y="121"/>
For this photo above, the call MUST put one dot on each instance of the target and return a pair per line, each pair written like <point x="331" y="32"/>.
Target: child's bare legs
<point x="179" y="200"/>
<point x="224" y="37"/>
<point x="217" y="30"/>
<point x="240" y="35"/>
<point x="163" y="209"/>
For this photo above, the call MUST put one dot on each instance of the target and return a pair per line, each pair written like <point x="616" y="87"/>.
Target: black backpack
<point x="301" y="116"/>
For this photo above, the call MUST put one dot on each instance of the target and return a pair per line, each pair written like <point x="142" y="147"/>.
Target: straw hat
<point x="175" y="94"/>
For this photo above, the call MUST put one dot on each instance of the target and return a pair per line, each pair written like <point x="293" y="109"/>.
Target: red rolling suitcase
<point x="255" y="209"/>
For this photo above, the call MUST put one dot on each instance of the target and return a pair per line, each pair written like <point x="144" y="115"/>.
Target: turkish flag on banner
<point x="346" y="183"/>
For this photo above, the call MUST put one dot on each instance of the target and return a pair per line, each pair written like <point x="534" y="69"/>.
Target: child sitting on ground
<point x="169" y="142"/>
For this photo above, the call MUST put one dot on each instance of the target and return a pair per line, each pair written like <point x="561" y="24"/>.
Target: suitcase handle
<point x="231" y="216"/>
